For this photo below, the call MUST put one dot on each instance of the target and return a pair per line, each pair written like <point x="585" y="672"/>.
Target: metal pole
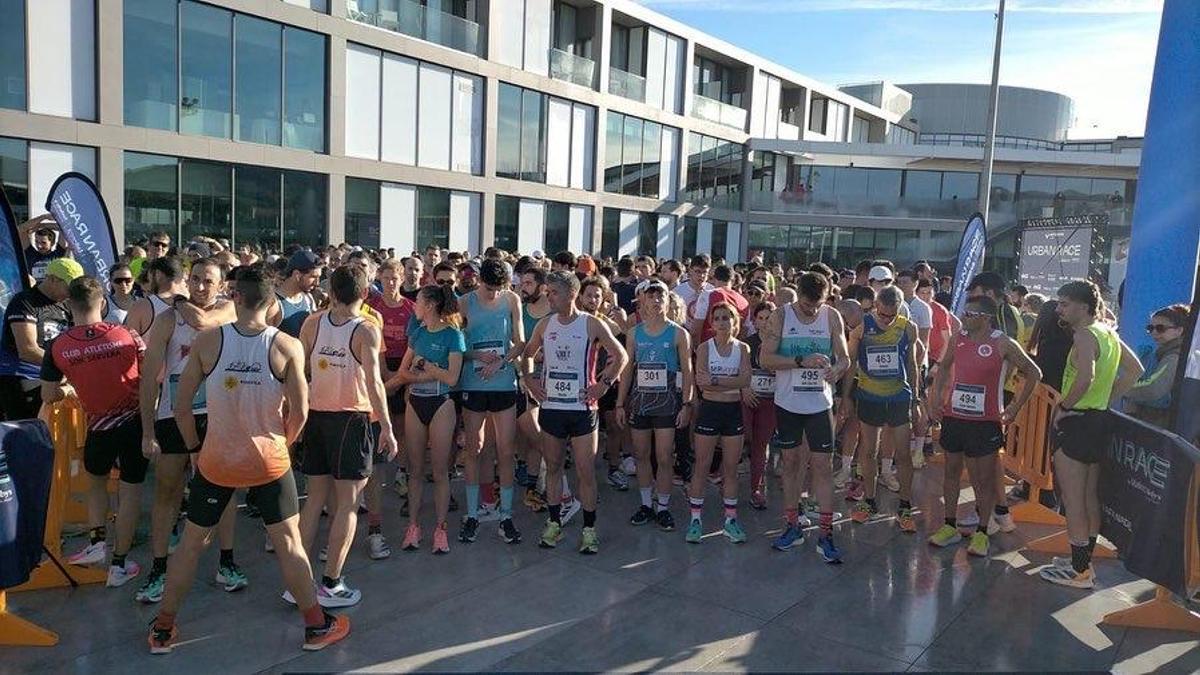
<point x="989" y="148"/>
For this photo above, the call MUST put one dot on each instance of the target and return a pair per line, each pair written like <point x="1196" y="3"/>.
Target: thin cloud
<point x="804" y="6"/>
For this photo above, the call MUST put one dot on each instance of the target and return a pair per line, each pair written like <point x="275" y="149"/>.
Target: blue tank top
<point x="488" y="329"/>
<point x="655" y="356"/>
<point x="882" y="361"/>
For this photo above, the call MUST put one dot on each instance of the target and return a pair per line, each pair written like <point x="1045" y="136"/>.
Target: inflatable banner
<point x="970" y="260"/>
<point x="83" y="219"/>
<point x="14" y="278"/>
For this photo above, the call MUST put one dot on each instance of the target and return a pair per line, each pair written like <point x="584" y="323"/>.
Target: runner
<point x="249" y="370"/>
<point x="430" y="371"/>
<point x="884" y="348"/>
<point x="293" y="297"/>
<point x="414" y="270"/>
<point x="120" y="297"/>
<point x="972" y="421"/>
<point x="166" y="282"/>
<point x="396" y="311"/>
<point x="1100" y="369"/>
<point x="32" y="319"/>
<point x="659" y="353"/>
<point x="342" y="349"/>
<point x="534" y="307"/>
<point x="848" y="429"/>
<point x="720" y="377"/>
<point x="101" y="362"/>
<point x="167" y="349"/>
<point x="758" y="410"/>
<point x="495" y="339"/>
<point x="596" y="298"/>
<point x="568" y="391"/>
<point x="697" y="281"/>
<point x="804" y="344"/>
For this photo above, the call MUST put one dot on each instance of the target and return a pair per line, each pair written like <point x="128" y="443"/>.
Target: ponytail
<point x="446" y="301"/>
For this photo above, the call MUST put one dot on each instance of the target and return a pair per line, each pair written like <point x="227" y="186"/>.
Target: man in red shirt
<point x="102" y="363"/>
<point x="699" y="324"/>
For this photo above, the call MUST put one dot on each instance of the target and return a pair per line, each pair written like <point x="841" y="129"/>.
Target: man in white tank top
<point x="347" y="395"/>
<point x="568" y="391"/>
<point x="251" y="373"/>
<point x="167" y="282"/>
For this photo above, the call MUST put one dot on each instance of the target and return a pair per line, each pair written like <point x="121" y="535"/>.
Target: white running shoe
<point x="91" y="555"/>
<point x="970" y="520"/>
<point x="1001" y="523"/>
<point x="488" y="513"/>
<point x="119" y="576"/>
<point x="629" y="465"/>
<point x="378" y="546"/>
<point x="569" y="510"/>
<point x="338" y="596"/>
<point x="889" y="481"/>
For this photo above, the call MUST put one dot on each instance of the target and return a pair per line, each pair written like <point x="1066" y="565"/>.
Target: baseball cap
<point x="650" y="284"/>
<point x="66" y="269"/>
<point x="303" y="260"/>
<point x="200" y="248"/>
<point x="537" y="254"/>
<point x="585" y="265"/>
<point x="880" y="273"/>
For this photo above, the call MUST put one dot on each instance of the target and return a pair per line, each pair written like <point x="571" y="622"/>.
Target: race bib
<point x="562" y="387"/>
<point x="652" y="377"/>
<point x="883" y="361"/>
<point x="808" y="380"/>
<point x="431" y="388"/>
<point x="198" y="403"/>
<point x="488" y="347"/>
<point x="969" y="400"/>
<point x="762" y="382"/>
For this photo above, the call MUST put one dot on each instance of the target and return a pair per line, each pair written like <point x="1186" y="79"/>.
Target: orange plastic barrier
<point x="17" y="632"/>
<point x="68" y="429"/>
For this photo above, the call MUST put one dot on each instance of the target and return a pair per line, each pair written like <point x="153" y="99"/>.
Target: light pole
<point x="989" y="147"/>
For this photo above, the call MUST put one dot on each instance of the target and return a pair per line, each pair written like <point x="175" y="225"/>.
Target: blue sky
<point x="1098" y="52"/>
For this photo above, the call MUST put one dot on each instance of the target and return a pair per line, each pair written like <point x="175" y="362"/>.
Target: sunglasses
<point x="1158" y="328"/>
<point x="160" y="244"/>
<point x="970" y="314"/>
<point x="122" y="280"/>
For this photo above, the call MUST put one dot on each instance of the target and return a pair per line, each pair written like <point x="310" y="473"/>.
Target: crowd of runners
<point x="294" y="382"/>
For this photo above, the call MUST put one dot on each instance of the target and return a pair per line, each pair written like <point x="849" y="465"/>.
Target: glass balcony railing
<point x="571" y="68"/>
<point x="626" y="84"/>
<point x="715" y="111"/>
<point x="408" y="17"/>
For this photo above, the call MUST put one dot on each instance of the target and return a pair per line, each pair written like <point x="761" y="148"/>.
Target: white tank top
<point x="113" y="312"/>
<point x="178" y="348"/>
<point x="247" y="447"/>
<point x="724" y="366"/>
<point x="804" y="390"/>
<point x="159" y="306"/>
<point x="339" y="382"/>
<point x="567" y="366"/>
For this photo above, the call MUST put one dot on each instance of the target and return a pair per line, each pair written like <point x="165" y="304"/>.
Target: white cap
<point x="537" y="254"/>
<point x="880" y="273"/>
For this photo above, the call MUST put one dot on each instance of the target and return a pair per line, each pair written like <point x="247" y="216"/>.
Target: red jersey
<point x="978" y="379"/>
<point x="941" y="326"/>
<point x="102" y="361"/>
<point x="701" y="309"/>
<point x="395" y="324"/>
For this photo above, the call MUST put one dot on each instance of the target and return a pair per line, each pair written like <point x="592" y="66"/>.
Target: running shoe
<point x="863" y="511"/>
<point x="643" y="515"/>
<point x="946" y="535"/>
<point x="618" y="480"/>
<point x="733" y="530"/>
<point x="1067" y="576"/>
<point x="1001" y="523"/>
<point x="468" y="532"/>
<point x="666" y="522"/>
<point x="412" y="538"/>
<point x="90" y="555"/>
<point x="589" y="543"/>
<point x="629" y="465"/>
<point x="841" y="477"/>
<point x="162" y="640"/>
<point x="509" y="532"/>
<point x="441" y="541"/>
<point x="551" y="535"/>
<point x="906" y="521"/>
<point x="401" y="483"/>
<point x="377" y="547"/>
<point x="1061" y="561"/>
<point x="488" y="513"/>
<point x="340" y="595"/>
<point x="978" y="545"/>
<point x="152" y="591"/>
<point x="231" y="578"/>
<point x="569" y="509"/>
<point x="829" y="551"/>
<point x="317" y="638"/>
<point x="969" y="522"/>
<point x="695" y="532"/>
<point x="888" y="480"/>
<point x="119" y="576"/>
<point x="535" y="500"/>
<point x="855" y="490"/>
<point x="758" y="501"/>
<point x="791" y="535"/>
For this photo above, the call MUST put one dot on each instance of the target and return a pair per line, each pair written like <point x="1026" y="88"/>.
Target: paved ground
<point x="648" y="601"/>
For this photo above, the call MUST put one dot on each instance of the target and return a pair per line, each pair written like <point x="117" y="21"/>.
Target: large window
<point x="555" y="224"/>
<point x="362" y="212"/>
<point x="544" y="139"/>
<point x="718" y="81"/>
<point x="187" y="197"/>
<point x="231" y="75"/>
<point x="12" y="54"/>
<point x="714" y="172"/>
<point x="633" y="160"/>
<point x="508" y="217"/>
<point x="558" y="227"/>
<point x="836" y="246"/>
<point x="610" y="233"/>
<point x="433" y="218"/>
<point x="533" y="136"/>
<point x="151" y="77"/>
<point x="718" y="241"/>
<point x="14" y="175"/>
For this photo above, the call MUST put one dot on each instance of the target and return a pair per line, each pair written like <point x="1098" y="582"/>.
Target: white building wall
<point x="62" y="57"/>
<point x="583" y="147"/>
<point x="48" y="161"/>
<point x="531" y="225"/>
<point x="666" y="236"/>
<point x="508" y="31"/>
<point x="397" y="217"/>
<point x="733" y="241"/>
<point x="656" y="56"/>
<point x="433" y="117"/>
<point x="579" y="235"/>
<point x="758" y="104"/>
<point x="362" y="101"/>
<point x="704" y="227"/>
<point x="558" y="142"/>
<point x="675" y="69"/>
<point x="537" y="34"/>
<point x="466" y="136"/>
<point x="627" y="239"/>
<point x="399" y="118"/>
<point x="464" y="221"/>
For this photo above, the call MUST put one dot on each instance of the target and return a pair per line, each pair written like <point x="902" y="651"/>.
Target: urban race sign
<point x="83" y="219"/>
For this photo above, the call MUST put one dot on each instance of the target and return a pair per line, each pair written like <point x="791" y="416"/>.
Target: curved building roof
<point x="946" y="108"/>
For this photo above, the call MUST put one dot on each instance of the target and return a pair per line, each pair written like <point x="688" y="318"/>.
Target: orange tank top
<point x="339" y="382"/>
